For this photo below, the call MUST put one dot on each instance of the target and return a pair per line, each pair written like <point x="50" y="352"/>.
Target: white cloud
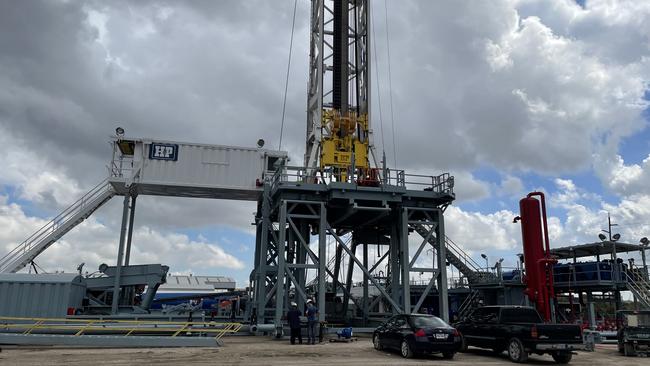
<point x="511" y="186"/>
<point x="624" y="179"/>
<point x="468" y="188"/>
<point x="530" y="85"/>
<point x="475" y="231"/>
<point x="95" y="243"/>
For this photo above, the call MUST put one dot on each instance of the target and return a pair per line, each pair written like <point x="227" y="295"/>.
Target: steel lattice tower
<point x="337" y="196"/>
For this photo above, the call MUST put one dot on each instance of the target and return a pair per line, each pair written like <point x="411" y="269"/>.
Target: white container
<point x="194" y="170"/>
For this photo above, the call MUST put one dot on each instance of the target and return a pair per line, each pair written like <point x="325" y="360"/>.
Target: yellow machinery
<point x="344" y="148"/>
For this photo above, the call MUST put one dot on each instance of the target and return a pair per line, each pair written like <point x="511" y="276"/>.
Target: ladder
<point x="47" y="235"/>
<point x="640" y="287"/>
<point x="458" y="258"/>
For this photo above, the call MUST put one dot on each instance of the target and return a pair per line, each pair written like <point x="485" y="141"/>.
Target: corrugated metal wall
<point x="27" y="295"/>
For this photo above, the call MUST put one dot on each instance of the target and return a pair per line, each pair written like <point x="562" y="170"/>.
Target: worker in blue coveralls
<point x="293" y="317"/>
<point x="312" y="320"/>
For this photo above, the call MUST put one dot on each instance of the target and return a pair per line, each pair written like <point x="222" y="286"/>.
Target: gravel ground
<point x="244" y="350"/>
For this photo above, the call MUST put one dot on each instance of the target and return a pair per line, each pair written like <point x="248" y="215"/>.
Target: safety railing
<point x="80" y="327"/>
<point x="443" y="183"/>
<point x="588" y="272"/>
<point x="469" y="304"/>
<point x="58" y="222"/>
<point x="639" y="286"/>
<point x="461" y="255"/>
<point x="121" y="167"/>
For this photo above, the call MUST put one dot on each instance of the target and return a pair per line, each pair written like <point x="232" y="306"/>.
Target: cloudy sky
<point x="509" y="96"/>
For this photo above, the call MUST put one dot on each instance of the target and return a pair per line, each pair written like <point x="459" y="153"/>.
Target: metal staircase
<point x="458" y="258"/>
<point x="470" y="303"/>
<point x="47" y="235"/>
<point x="640" y="287"/>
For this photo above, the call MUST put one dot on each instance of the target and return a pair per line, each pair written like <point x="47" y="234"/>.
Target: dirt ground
<point x="244" y="350"/>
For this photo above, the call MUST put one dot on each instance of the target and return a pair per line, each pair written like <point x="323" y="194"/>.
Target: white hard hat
<point x="293" y="304"/>
<point x="309" y="301"/>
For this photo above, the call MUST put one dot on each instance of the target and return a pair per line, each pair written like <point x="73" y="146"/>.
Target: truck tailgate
<point x="554" y="333"/>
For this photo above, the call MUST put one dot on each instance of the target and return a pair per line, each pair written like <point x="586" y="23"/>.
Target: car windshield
<point x="520" y="316"/>
<point x="428" y="322"/>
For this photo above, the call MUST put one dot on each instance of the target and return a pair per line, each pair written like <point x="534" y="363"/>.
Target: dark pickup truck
<point x="520" y="331"/>
<point x="634" y="332"/>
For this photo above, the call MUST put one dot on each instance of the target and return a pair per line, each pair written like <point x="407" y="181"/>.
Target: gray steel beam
<point x="394" y="266"/>
<point x="365" y="285"/>
<point x="365" y="270"/>
<point x="424" y="242"/>
<point x="425" y="293"/>
<point x="129" y="238"/>
<point x="404" y="260"/>
<point x="279" y="292"/>
<point x="322" y="262"/>
<point x="120" y="254"/>
<point x="443" y="300"/>
<point x="118" y="341"/>
<point x="379" y="261"/>
<point x="348" y="280"/>
<point x="262" y="267"/>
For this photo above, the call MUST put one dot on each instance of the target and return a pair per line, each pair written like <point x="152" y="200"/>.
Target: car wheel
<point x="377" y="343"/>
<point x="516" y="351"/>
<point x="562" y="357"/>
<point x="628" y="350"/>
<point x="463" y="345"/>
<point x="448" y="355"/>
<point x="407" y="352"/>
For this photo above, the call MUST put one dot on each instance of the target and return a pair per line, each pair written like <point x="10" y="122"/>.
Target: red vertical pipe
<point x="537" y="258"/>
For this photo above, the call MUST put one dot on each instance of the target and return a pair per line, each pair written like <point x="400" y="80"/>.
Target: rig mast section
<point x="338" y="123"/>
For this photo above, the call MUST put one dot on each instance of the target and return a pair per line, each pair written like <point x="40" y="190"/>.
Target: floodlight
<point x="645" y="241"/>
<point x="602" y="236"/>
<point x="119" y="131"/>
<point x="616" y="237"/>
<point x="260" y="143"/>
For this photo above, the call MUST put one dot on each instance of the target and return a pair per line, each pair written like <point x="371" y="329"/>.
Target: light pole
<point x="613" y="238"/>
<point x="487" y="264"/>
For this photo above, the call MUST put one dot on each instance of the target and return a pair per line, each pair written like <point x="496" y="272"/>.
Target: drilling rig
<point x="338" y="130"/>
<point x="314" y="217"/>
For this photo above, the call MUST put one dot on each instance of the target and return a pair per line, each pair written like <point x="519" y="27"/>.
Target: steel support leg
<point x="348" y="280"/>
<point x="366" y="300"/>
<point x="279" y="292"/>
<point x="322" y="262"/>
<point x="591" y="311"/>
<point x="394" y="267"/>
<point x="127" y="258"/>
<point x="404" y="261"/>
<point x="120" y="255"/>
<point x="262" y="268"/>
<point x="443" y="299"/>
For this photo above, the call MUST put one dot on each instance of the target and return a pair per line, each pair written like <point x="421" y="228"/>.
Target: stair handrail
<point x="51" y="225"/>
<point x="461" y="254"/>
<point x="466" y="305"/>
<point x="639" y="284"/>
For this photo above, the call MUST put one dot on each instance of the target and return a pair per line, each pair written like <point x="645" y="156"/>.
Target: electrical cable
<point x="286" y="83"/>
<point x="381" y="120"/>
<point x="390" y="84"/>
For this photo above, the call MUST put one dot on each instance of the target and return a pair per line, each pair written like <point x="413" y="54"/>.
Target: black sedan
<point x="417" y="334"/>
